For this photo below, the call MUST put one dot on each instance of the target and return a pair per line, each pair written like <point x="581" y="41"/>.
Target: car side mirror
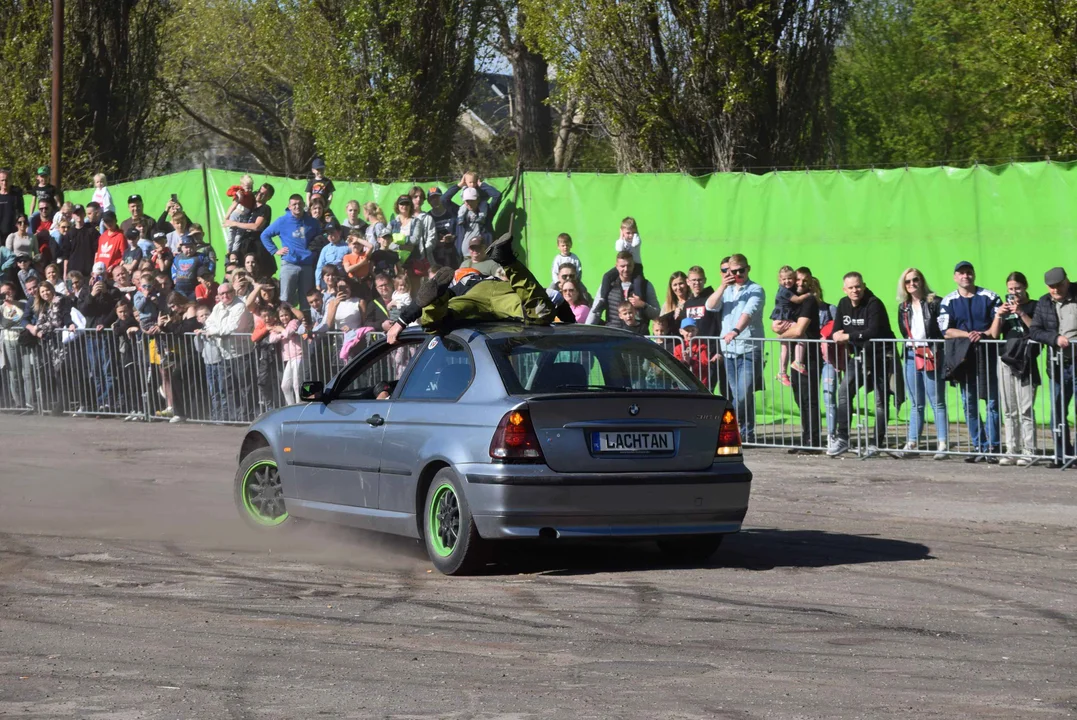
<point x="312" y="391"/>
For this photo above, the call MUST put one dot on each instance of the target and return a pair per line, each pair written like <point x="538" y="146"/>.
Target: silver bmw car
<point x="504" y="431"/>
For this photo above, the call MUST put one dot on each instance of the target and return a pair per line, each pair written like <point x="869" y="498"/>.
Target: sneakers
<point x="1025" y="461"/>
<point x="1006" y="461"/>
<point x="798" y="367"/>
<point x="784" y="379"/>
<point x="870" y="452"/>
<point x="133" y="416"/>
<point x="909" y="447"/>
<point x="176" y="419"/>
<point x="500" y="250"/>
<point x="940" y="452"/>
<point x="168" y="412"/>
<point x="838" y="446"/>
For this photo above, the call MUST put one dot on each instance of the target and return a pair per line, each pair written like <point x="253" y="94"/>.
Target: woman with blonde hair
<point x="677" y="294"/>
<point x="918" y="314"/>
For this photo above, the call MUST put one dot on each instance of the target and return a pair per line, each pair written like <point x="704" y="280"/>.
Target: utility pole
<point x="57" y="87"/>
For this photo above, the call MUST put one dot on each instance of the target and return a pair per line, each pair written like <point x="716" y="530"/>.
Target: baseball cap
<point x="1054" y="276"/>
<point x="98" y="268"/>
<point x="471" y="193"/>
<point x="43" y="170"/>
<point x="132" y="234"/>
<point x="133" y="199"/>
<point x="688" y="323"/>
<point x="318" y="164"/>
<point x="433" y="191"/>
<point x="79" y="210"/>
<point x="159" y="236"/>
<point x="386" y="231"/>
<point x="962" y="264"/>
<point x="22" y="256"/>
<point x="186" y="240"/>
<point x="476" y="242"/>
<point x="403" y="200"/>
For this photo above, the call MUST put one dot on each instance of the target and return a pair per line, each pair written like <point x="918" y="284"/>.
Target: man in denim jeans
<point x="739" y="304"/>
<point x="1055" y="324"/>
<point x="970" y="312"/>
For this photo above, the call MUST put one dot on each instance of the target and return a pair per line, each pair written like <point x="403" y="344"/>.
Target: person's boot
<point x="431" y="288"/>
<point x="500" y="250"/>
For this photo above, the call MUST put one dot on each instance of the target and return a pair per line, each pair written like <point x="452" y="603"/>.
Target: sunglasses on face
<point x="724" y="269"/>
<point x="739" y="271"/>
<point x="912" y="281"/>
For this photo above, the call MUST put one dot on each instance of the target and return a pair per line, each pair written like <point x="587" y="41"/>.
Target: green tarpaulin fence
<point x="1018" y="216"/>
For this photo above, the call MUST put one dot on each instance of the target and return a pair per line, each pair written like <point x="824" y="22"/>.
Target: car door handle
<point x="375" y="420"/>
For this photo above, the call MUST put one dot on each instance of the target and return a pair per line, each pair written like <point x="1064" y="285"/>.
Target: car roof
<point x="503" y="329"/>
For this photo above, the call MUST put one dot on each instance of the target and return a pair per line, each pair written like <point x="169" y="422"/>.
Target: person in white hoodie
<point x="230" y="325"/>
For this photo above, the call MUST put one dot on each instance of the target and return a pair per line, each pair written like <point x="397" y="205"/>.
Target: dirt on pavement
<point x="129" y="588"/>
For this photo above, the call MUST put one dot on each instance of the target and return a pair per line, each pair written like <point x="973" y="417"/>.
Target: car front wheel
<point x="258" y="494"/>
<point x="452" y="542"/>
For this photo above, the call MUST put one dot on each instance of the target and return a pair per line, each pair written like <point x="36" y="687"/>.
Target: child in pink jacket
<point x="291" y="352"/>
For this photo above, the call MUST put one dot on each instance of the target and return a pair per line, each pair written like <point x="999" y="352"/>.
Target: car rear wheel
<point x="258" y="494"/>
<point x="452" y="542"/>
<point x="690" y="548"/>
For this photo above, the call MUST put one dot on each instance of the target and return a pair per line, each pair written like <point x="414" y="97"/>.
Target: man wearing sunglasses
<point x="739" y="304"/>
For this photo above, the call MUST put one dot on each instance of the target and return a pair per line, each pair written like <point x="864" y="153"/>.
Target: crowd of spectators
<point x="179" y="339"/>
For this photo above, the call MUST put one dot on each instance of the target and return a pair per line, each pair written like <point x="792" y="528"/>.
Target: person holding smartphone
<point x="1018" y="373"/>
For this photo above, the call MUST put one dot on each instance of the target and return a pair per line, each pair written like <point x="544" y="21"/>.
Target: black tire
<point x="452" y="542"/>
<point x="257" y="492"/>
<point x="690" y="548"/>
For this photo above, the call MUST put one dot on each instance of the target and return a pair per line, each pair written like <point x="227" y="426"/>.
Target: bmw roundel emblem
<point x="633" y="409"/>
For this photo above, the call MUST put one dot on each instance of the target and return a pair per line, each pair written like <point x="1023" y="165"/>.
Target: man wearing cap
<point x="44" y="190"/>
<point x="81" y="247"/>
<point x="296" y="230"/>
<point x="11" y="203"/>
<point x="132" y="253"/>
<point x="1055" y="324"/>
<point x="477" y="258"/>
<point x="319" y="185"/>
<point x="111" y="245"/>
<point x="186" y="266"/>
<point x="139" y="219"/>
<point x="969" y="313"/>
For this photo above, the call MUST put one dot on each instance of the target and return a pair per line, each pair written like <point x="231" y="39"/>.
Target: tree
<point x="232" y="68"/>
<point x="530" y="88"/>
<point x="112" y="119"/>
<point x="1036" y="42"/>
<point x="920" y="82"/>
<point x="682" y="84"/>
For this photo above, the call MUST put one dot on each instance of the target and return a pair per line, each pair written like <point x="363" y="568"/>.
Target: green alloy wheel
<point x="258" y="493"/>
<point x="452" y="542"/>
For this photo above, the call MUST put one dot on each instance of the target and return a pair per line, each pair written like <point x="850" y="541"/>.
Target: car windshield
<point x="571" y="363"/>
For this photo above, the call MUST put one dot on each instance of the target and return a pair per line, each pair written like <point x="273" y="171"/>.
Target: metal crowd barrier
<point x="889" y="397"/>
<point x="163" y="376"/>
<point x="895" y="397"/>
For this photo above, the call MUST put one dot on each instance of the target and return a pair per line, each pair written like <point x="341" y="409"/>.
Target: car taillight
<point x="515" y="438"/>
<point x="728" y="435"/>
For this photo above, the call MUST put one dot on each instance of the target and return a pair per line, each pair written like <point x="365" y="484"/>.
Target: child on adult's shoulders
<point x="565" y="256"/>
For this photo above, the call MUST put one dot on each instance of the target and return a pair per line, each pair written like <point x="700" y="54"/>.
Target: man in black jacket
<point x="1055" y="324"/>
<point x="98" y="305"/>
<point x="862" y="317"/>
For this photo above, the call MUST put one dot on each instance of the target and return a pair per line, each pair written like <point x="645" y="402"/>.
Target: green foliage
<point x="955" y="80"/>
<point x="682" y="85"/>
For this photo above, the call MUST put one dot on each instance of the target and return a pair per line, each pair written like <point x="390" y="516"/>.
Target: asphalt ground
<point x="860" y="589"/>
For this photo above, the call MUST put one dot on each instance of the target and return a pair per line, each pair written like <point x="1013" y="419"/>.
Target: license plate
<point x="632" y="442"/>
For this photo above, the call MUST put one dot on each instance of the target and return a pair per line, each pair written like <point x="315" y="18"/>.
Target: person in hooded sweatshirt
<point x="862" y="317"/>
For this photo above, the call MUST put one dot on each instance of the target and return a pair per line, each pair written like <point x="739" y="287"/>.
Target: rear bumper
<point x="521" y="501"/>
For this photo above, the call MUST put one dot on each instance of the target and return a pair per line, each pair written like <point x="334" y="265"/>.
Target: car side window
<point x="379" y="372"/>
<point x="442" y="372"/>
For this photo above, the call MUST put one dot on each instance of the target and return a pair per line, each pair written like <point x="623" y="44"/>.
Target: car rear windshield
<point x="567" y="363"/>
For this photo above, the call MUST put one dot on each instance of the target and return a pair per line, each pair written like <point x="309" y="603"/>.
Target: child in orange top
<point x="357" y="263"/>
